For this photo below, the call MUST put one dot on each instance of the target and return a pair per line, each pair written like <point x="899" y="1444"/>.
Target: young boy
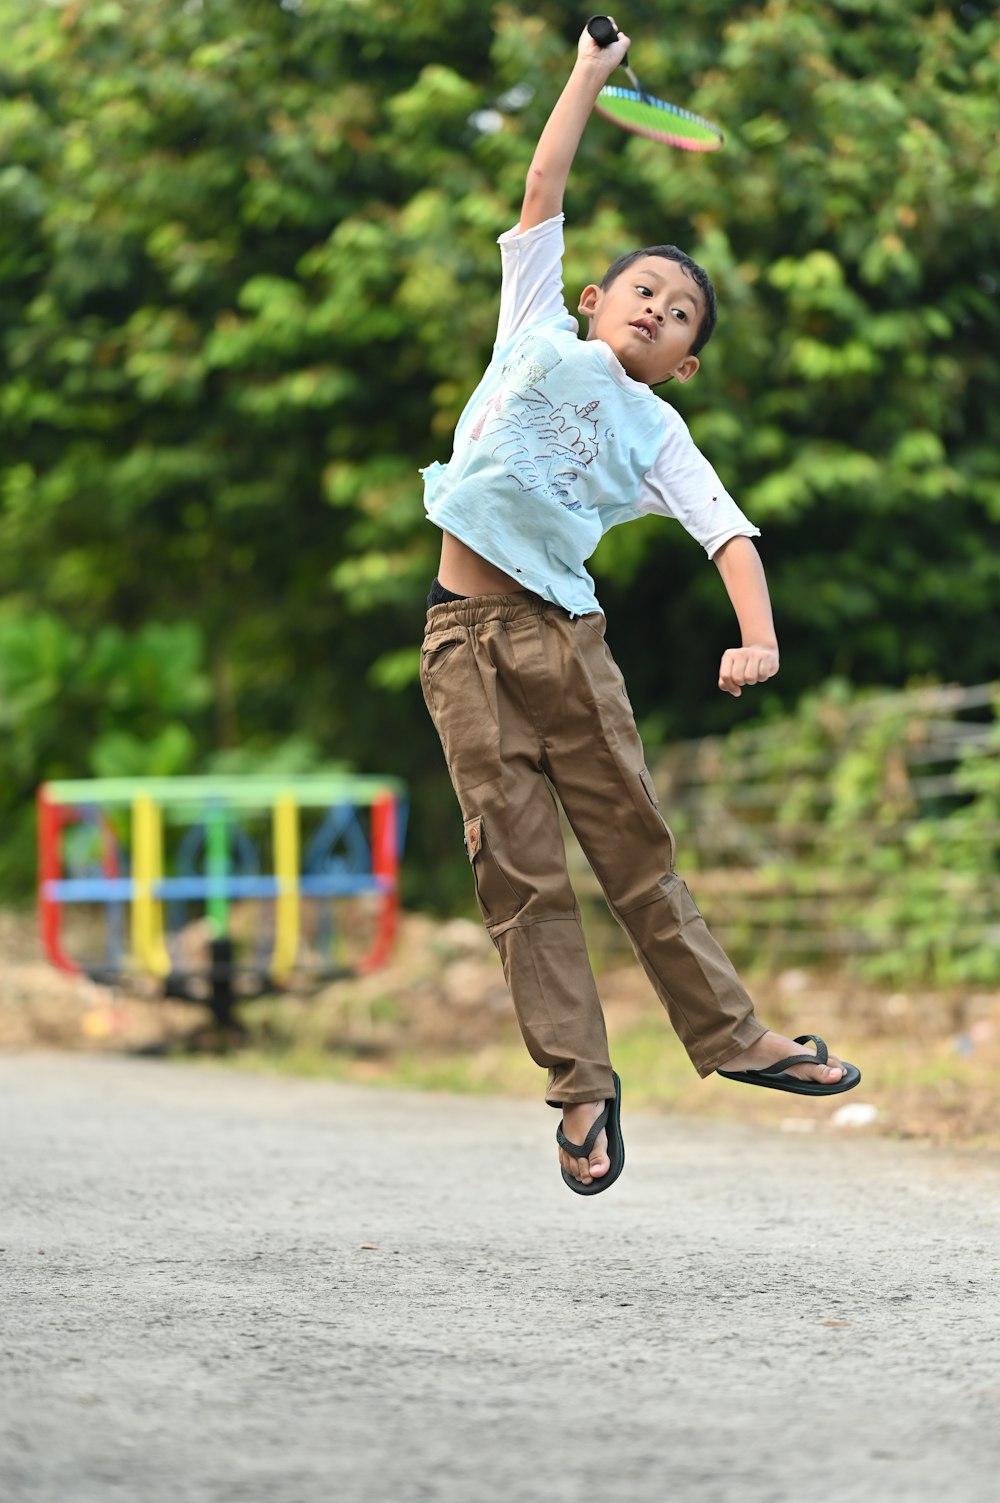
<point x="563" y="439"/>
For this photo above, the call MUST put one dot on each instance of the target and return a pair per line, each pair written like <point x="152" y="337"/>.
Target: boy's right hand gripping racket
<point x="636" y="111"/>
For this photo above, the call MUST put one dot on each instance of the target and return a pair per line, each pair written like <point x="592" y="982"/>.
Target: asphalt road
<point x="219" y="1287"/>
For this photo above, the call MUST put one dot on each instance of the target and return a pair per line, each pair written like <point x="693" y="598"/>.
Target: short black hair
<point x="697" y="273"/>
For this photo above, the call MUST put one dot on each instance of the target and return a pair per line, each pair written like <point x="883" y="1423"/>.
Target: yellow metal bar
<point x="286" y="871"/>
<point x="141" y="885"/>
<point x="160" y="960"/>
<point x="147" y="870"/>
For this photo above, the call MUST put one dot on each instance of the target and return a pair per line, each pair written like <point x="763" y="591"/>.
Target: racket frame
<point x="664" y="136"/>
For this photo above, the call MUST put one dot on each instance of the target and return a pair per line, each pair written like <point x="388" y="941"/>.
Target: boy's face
<point x="649" y="316"/>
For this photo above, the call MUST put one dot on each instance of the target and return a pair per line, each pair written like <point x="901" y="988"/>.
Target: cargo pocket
<point x="436" y="651"/>
<point x="434" y="654"/>
<point x="647" y="783"/>
<point x="497" y="899"/>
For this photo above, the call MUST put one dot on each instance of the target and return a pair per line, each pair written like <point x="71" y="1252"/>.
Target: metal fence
<point x="862" y="827"/>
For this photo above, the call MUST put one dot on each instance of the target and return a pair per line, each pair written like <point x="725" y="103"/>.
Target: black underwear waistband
<point x="440" y="596"/>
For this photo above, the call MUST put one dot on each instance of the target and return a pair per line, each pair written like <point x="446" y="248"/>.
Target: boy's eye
<point x="679" y="313"/>
<point x="645" y="291"/>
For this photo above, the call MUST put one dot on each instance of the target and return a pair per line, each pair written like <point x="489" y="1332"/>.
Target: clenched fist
<point x="746" y="665"/>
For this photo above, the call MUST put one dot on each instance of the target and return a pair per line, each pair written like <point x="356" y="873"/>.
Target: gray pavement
<point x="192" y="1310"/>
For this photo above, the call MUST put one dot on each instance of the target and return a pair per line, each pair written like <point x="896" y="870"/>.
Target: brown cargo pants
<point x="527" y="701"/>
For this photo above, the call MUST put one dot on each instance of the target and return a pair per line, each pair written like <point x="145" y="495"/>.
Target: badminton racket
<point x="636" y="111"/>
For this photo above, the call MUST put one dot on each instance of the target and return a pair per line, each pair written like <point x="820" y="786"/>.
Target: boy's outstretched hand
<point x="746" y="665"/>
<point x="611" y="56"/>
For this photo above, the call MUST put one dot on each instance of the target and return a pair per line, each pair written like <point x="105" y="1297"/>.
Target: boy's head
<point x="656" y="309"/>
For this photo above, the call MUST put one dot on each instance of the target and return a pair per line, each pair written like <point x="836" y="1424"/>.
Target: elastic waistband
<point x="476" y="609"/>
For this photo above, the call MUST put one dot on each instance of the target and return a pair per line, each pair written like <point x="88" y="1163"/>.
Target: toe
<point x="822" y="1074"/>
<point x="574" y="1167"/>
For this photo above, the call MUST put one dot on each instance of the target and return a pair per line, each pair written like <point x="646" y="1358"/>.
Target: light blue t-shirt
<point x="557" y="444"/>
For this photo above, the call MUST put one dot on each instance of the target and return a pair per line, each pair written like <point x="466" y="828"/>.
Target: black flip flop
<point x="610" y="1121"/>
<point x="773" y="1076"/>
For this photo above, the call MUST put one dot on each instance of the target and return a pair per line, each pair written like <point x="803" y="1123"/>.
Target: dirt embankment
<point x="439" y="1014"/>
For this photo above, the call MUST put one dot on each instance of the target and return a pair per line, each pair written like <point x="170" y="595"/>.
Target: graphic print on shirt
<point x="544" y="447"/>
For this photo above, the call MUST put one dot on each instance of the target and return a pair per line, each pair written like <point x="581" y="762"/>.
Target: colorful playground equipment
<point x="280" y="878"/>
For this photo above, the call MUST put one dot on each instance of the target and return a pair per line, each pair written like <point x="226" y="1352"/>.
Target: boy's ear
<point x="688" y="367"/>
<point x="590" y="299"/>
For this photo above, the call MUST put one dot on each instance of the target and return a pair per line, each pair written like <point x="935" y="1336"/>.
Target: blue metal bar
<point x="111" y="889"/>
<point x="89" y="890"/>
<point x="342" y="884"/>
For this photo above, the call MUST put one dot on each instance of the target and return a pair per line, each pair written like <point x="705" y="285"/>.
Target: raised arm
<point x="553" y="158"/>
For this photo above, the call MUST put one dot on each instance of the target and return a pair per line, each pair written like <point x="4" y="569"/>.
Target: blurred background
<point x="248" y="280"/>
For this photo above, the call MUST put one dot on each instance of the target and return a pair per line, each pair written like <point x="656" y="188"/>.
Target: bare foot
<point x="772" y="1047"/>
<point x="577" y="1122"/>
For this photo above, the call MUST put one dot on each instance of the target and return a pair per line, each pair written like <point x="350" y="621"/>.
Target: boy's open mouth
<point x="645" y="326"/>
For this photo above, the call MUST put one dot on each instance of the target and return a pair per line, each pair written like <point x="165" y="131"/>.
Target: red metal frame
<point x="51" y="819"/>
<point x="385" y="864"/>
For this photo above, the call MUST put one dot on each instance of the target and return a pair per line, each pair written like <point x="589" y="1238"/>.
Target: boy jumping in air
<point x="563" y="439"/>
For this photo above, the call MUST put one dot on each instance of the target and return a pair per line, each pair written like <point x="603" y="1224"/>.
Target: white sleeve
<point x="531" y="290"/>
<point x="682" y="484"/>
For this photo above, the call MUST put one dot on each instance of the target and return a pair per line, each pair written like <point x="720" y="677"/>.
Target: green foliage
<point x="880" y="819"/>
<point x="248" y="280"/>
<point x="127" y="698"/>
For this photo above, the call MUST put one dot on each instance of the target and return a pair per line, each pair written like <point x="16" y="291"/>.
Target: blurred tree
<point x="248" y="279"/>
<point x="848" y="396"/>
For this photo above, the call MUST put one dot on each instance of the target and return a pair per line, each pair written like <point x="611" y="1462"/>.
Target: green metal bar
<point x="217" y="863"/>
<point x="310" y="791"/>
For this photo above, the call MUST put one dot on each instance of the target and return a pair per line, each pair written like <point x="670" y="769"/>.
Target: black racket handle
<point x="603" y="30"/>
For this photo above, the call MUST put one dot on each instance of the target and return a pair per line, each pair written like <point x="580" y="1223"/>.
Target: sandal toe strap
<point x="819" y="1058"/>
<point x="583" y="1150"/>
